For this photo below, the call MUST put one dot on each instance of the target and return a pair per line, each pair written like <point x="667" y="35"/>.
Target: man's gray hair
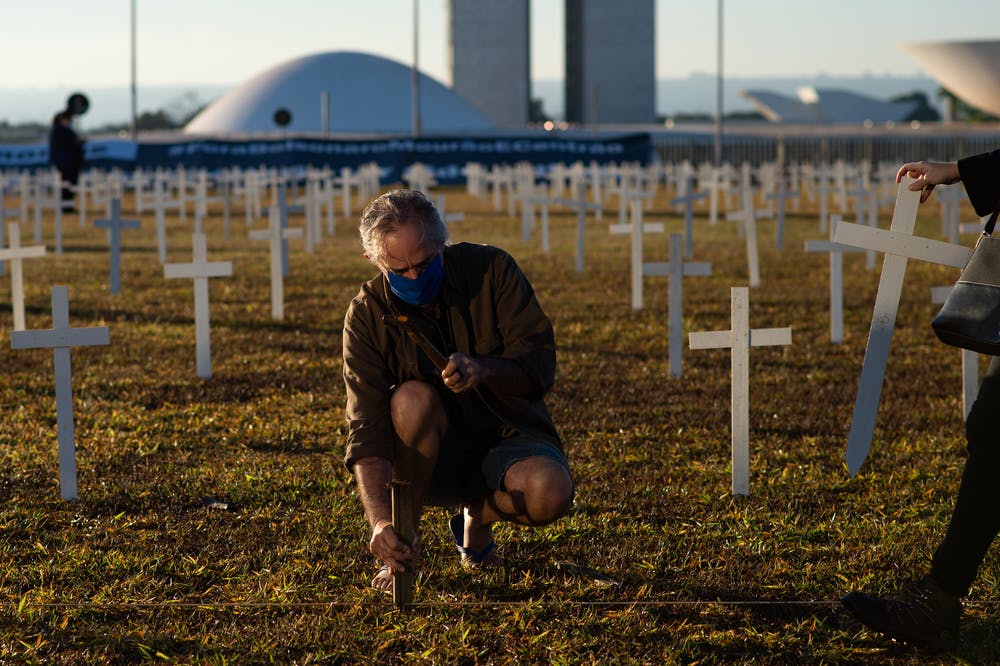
<point x="394" y="209"/>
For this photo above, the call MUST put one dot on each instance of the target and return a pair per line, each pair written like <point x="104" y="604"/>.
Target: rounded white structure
<point x="367" y="95"/>
<point x="966" y="69"/>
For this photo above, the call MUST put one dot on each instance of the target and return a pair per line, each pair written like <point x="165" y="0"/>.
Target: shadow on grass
<point x="220" y="389"/>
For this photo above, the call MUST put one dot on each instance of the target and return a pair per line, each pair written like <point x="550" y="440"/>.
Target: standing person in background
<point x="66" y="155"/>
<point x="927" y="612"/>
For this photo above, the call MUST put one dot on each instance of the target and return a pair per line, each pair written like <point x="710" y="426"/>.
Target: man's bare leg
<point x="419" y="420"/>
<point x="538" y="491"/>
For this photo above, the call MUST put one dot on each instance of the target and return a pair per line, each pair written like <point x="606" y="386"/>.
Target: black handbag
<point x="970" y="316"/>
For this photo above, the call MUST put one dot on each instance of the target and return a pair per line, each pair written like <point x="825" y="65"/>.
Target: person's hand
<point x="462" y="373"/>
<point x="389" y="548"/>
<point x="928" y="174"/>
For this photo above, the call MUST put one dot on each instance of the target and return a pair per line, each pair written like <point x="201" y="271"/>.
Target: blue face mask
<point x="422" y="289"/>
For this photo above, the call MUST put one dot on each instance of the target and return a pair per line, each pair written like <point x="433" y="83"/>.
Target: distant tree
<point x="702" y="117"/>
<point x="745" y="115"/>
<point x="692" y="117"/>
<point x="536" y="111"/>
<point x="185" y="107"/>
<point x="923" y="111"/>
<point x="155" y="120"/>
<point x="962" y="111"/>
<point x="22" y="132"/>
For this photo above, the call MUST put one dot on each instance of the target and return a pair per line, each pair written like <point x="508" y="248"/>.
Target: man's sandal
<point x="486" y="558"/>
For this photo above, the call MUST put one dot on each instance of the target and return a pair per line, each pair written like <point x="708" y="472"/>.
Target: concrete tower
<point x="489" y="49"/>
<point x="610" y="61"/>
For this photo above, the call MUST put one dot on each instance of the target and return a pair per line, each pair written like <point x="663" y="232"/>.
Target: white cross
<point x="475" y="179"/>
<point x="973" y="227"/>
<point x="717" y="182"/>
<point x="688" y="199"/>
<point x="636" y="229"/>
<point x="24" y="194"/>
<point x="970" y="360"/>
<point x="182" y="192"/>
<point x="280" y="197"/>
<point x="319" y="193"/>
<point x="115" y="224"/>
<point x="823" y="189"/>
<point x="628" y="195"/>
<point x="4" y="212"/>
<point x="836" y="251"/>
<point x="44" y="196"/>
<point x="60" y="338"/>
<point x="748" y="219"/>
<point x="200" y="270"/>
<point x="950" y="197"/>
<point x="499" y="177"/>
<point x="15" y="254"/>
<point x="347" y="181"/>
<point x="676" y="269"/>
<point x="447" y="218"/>
<point x="160" y="204"/>
<point x="781" y="196"/>
<point x="739" y="339"/>
<point x="582" y="206"/>
<point x="202" y="198"/>
<point x="276" y="235"/>
<point x="899" y="244"/>
<point x="862" y="199"/>
<point x="528" y="203"/>
<point x="418" y="176"/>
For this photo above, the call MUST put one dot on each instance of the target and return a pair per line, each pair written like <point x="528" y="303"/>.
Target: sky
<point x="85" y="43"/>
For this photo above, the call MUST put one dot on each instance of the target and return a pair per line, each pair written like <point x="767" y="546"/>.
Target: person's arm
<point x="980" y="174"/>
<point x="927" y="175"/>
<point x="373" y="475"/>
<point x="527" y="364"/>
<point x="464" y="373"/>
<point x="369" y="454"/>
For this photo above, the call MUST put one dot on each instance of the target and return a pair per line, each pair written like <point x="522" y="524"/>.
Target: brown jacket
<point x="493" y="313"/>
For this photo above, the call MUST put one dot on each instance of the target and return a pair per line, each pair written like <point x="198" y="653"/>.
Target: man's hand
<point x="462" y="373"/>
<point x="928" y="174"/>
<point x="388" y="547"/>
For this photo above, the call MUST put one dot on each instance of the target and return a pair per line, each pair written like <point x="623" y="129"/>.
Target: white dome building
<point x="966" y="69"/>
<point x="368" y="95"/>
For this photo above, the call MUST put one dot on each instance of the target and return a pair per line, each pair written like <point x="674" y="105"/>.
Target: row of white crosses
<point x="61" y="337"/>
<point x="898" y="244"/>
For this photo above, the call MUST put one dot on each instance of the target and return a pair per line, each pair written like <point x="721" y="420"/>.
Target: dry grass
<point x="139" y="568"/>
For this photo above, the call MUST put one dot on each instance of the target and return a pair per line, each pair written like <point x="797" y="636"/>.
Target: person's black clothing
<point x="976" y="518"/>
<point x="66" y="155"/>
<point x="975" y="521"/>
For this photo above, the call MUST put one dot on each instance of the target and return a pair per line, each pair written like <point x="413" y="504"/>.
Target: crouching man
<point x="473" y="430"/>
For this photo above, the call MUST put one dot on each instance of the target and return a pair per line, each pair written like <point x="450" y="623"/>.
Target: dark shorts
<point x="471" y="465"/>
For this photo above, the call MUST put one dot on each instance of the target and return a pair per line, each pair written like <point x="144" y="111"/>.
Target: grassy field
<point x="657" y="563"/>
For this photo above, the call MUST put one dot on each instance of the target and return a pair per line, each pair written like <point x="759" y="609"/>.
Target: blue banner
<point x="446" y="156"/>
<point x="101" y="153"/>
